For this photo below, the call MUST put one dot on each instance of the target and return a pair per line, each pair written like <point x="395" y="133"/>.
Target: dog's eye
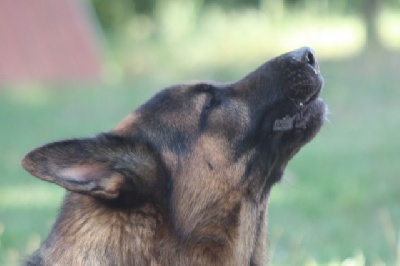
<point x="208" y="102"/>
<point x="211" y="102"/>
<point x="212" y="96"/>
<point x="209" y="105"/>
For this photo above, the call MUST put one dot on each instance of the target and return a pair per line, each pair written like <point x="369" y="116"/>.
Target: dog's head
<point x="197" y="142"/>
<point x="263" y="119"/>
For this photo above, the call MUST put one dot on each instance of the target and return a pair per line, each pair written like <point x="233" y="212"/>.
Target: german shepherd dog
<point x="185" y="179"/>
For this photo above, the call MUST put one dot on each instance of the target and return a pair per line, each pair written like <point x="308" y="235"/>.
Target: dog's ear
<point x="101" y="166"/>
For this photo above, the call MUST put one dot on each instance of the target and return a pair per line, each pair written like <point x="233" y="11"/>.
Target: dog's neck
<point x="101" y="233"/>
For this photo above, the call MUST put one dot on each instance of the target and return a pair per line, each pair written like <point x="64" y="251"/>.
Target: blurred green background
<point x="339" y="202"/>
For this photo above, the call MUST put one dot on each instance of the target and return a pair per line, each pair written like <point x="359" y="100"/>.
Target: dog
<point x="184" y="179"/>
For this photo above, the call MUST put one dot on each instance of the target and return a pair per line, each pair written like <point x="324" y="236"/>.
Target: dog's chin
<point x="306" y="120"/>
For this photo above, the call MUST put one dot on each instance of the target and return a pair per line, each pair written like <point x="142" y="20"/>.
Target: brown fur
<point x="185" y="179"/>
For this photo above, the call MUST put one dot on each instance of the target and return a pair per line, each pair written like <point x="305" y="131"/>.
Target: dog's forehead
<point x="169" y="101"/>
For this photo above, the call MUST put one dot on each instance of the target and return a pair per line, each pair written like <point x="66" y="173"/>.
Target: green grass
<point x="339" y="198"/>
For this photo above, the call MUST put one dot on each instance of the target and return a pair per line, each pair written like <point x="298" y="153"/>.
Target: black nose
<point x="305" y="55"/>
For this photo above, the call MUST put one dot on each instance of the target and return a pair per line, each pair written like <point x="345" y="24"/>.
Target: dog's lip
<point x="300" y="119"/>
<point x="304" y="116"/>
<point x="304" y="87"/>
<point x="310" y="98"/>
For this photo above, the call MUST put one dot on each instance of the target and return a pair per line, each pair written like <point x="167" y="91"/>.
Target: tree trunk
<point x="370" y="15"/>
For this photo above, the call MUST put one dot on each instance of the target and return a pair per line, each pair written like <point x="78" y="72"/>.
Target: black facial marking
<point x="213" y="100"/>
<point x="173" y="139"/>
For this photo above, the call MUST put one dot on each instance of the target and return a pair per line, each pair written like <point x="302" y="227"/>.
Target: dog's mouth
<point x="304" y="97"/>
<point x="300" y="119"/>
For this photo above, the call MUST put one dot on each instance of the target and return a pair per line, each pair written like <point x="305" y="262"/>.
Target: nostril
<point x="304" y="55"/>
<point x="310" y="59"/>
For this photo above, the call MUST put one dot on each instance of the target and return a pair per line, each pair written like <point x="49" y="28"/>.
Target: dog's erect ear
<point x="101" y="166"/>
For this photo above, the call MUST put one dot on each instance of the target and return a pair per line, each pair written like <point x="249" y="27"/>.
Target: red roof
<point x="47" y="40"/>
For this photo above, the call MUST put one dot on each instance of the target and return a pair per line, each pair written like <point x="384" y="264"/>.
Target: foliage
<point x="114" y="13"/>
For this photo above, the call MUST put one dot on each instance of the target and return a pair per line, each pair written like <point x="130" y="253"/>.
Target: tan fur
<point x="127" y="235"/>
<point x="125" y="126"/>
